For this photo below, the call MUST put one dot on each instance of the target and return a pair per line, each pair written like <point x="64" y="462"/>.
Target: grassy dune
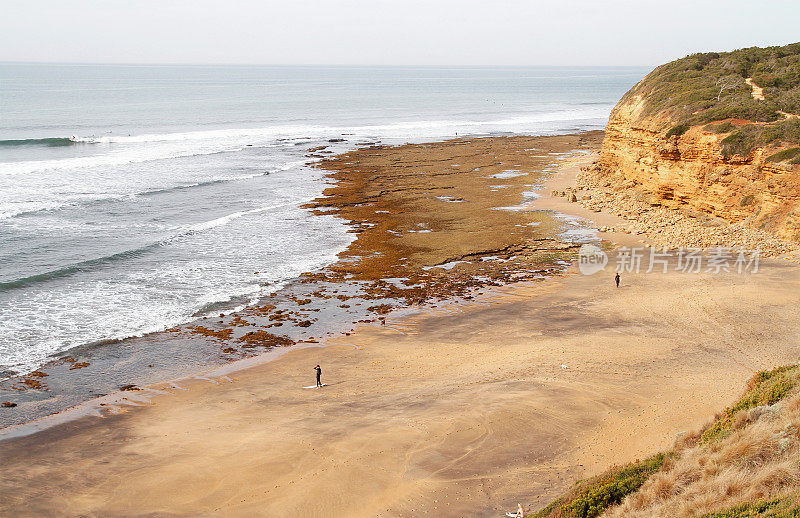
<point x="746" y="462"/>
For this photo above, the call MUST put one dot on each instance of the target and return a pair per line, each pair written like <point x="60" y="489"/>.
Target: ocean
<point x="135" y="198"/>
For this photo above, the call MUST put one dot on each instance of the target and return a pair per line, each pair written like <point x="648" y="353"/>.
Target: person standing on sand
<point x="616" y="279"/>
<point x="319" y="373"/>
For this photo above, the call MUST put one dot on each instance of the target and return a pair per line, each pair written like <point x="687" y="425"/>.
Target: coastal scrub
<point x="742" y="464"/>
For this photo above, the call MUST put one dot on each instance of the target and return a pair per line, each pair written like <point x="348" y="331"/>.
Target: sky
<point x="383" y="32"/>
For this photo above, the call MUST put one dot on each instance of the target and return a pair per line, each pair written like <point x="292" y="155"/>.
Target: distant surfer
<point x="616" y="279"/>
<point x="319" y="374"/>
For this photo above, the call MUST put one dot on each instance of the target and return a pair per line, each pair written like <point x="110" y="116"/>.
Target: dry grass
<point x="744" y="463"/>
<point x="749" y="454"/>
<point x="782" y="507"/>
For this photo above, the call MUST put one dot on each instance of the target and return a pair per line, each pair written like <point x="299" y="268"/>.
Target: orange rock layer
<point x="690" y="172"/>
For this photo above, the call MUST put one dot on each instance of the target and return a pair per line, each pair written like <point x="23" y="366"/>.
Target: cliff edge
<point x="716" y="133"/>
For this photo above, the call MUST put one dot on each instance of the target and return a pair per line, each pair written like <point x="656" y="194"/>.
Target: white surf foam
<point x="118" y="150"/>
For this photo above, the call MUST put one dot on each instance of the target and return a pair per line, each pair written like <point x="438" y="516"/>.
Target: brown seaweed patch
<point x="262" y="310"/>
<point x="265" y="339"/>
<point x="219" y="334"/>
<point x="381" y="309"/>
<point x="29" y="383"/>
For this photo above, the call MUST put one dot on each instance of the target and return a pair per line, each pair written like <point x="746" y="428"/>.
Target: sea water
<point x="134" y="198"/>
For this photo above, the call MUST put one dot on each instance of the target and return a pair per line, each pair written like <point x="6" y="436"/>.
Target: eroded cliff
<point x="702" y="157"/>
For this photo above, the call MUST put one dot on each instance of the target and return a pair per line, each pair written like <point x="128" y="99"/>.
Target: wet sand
<point x="463" y="409"/>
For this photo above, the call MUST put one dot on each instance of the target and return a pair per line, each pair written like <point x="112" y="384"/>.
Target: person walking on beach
<point x="319" y="373"/>
<point x="616" y="279"/>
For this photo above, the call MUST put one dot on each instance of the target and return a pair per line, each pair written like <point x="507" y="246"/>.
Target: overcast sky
<point x="383" y="32"/>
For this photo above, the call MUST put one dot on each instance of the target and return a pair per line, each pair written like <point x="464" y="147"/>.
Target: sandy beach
<point x="460" y="408"/>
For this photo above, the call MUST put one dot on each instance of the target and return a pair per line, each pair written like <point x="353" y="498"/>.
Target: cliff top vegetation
<point x="713" y="86"/>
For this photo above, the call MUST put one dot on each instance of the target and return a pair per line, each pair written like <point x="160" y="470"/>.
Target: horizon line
<point x="331" y="65"/>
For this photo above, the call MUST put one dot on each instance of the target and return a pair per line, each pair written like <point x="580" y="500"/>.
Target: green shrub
<point x="689" y="92"/>
<point x="724" y="127"/>
<point x="765" y="388"/>
<point x="678" y="130"/>
<point x="786" y="154"/>
<point x="591" y="498"/>
<point x="741" y="143"/>
<point x="744" y="140"/>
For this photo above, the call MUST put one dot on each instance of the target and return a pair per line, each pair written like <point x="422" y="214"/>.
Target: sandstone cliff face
<point x="690" y="172"/>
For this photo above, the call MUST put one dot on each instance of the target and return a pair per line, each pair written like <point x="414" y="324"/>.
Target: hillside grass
<point x="744" y="140"/>
<point x="784" y="507"/>
<point x="591" y="497"/>
<point x="791" y="155"/>
<point x="739" y="455"/>
<point x="764" y="389"/>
